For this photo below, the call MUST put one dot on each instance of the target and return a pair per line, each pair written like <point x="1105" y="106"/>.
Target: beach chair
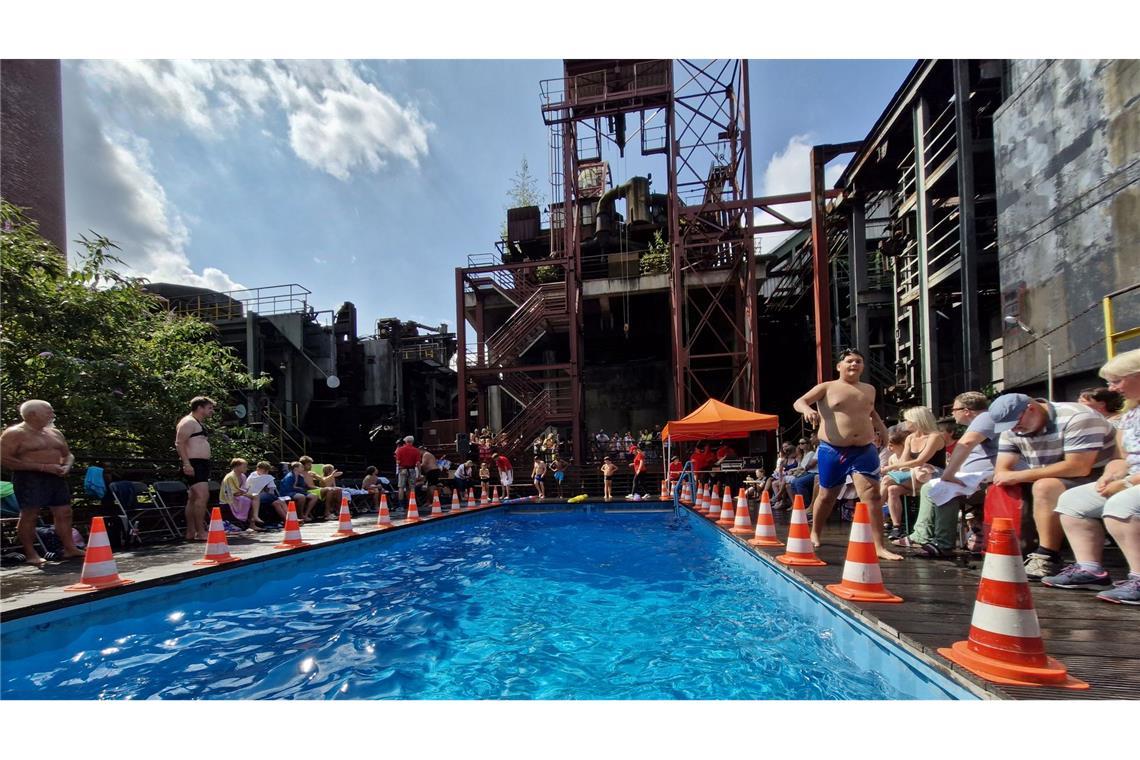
<point x="136" y="503"/>
<point x="10" y="515"/>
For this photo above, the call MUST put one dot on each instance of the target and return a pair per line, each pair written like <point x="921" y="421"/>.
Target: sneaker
<point x="1123" y="592"/>
<point x="1074" y="576"/>
<point x="896" y="533"/>
<point x="1038" y="566"/>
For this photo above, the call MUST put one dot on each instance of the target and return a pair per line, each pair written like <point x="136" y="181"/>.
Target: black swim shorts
<point x="201" y="471"/>
<point x="432" y="476"/>
<point x="39" y="489"/>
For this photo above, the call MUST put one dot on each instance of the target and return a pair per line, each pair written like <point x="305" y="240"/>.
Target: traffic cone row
<point x="384" y="519"/>
<point x="800" y="551"/>
<point x="413" y="514"/>
<point x="292" y="530"/>
<point x="727" y="515"/>
<point x="1005" y="644"/>
<point x="743" y="524"/>
<point x="99" y="568"/>
<point x="217" y="548"/>
<point x="765" y="525"/>
<point x="344" y="520"/>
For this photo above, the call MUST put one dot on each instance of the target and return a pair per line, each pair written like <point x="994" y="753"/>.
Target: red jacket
<point x="407" y="456"/>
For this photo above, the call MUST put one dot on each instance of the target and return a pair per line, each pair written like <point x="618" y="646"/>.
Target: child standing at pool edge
<point x="538" y="473"/>
<point x="608" y="470"/>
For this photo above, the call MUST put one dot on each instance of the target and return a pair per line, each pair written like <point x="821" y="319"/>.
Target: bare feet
<point x="884" y="554"/>
<point x="74" y="554"/>
<point x="35" y="560"/>
<point x="815" y="540"/>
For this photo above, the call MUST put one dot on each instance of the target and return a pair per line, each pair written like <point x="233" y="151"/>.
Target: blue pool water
<point x="553" y="606"/>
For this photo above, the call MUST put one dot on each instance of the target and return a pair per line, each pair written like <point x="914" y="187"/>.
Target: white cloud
<point x="318" y="260"/>
<point x="789" y="171"/>
<point x="338" y="122"/>
<point x="112" y="190"/>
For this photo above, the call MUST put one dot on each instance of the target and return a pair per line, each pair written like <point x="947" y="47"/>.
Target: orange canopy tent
<point x="716" y="420"/>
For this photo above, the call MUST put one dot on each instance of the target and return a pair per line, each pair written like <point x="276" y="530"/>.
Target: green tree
<point x="523" y="192"/>
<point x="117" y="367"/>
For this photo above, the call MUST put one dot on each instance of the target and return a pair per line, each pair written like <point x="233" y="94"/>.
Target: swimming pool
<point x="583" y="604"/>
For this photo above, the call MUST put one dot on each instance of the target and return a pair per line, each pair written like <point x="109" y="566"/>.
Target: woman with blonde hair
<point x="923" y="456"/>
<point x="1112" y="503"/>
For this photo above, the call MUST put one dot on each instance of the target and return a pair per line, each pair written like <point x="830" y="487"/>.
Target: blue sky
<point x="364" y="181"/>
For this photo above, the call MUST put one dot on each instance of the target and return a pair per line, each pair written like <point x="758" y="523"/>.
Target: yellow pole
<point x="1109" y="332"/>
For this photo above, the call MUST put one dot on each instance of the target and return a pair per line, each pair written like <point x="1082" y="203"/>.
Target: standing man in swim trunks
<point x="846" y="423"/>
<point x="194" y="450"/>
<point x="40" y="460"/>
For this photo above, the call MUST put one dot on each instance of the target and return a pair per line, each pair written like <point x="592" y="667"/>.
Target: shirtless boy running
<point x="40" y="460"/>
<point x="846" y="408"/>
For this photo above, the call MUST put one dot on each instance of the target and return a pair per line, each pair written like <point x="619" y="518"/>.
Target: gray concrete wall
<point x="1067" y="149"/>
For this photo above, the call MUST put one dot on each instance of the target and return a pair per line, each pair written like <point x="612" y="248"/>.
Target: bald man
<point x="40" y="461"/>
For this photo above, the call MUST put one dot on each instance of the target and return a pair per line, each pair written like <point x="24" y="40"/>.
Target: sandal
<point x="930" y="551"/>
<point x="904" y="542"/>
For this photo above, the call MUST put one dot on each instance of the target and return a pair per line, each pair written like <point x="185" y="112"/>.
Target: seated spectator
<point x="675" y="468"/>
<point x="371" y="485"/>
<point x="755" y="490"/>
<point x="1112" y="503"/>
<point x="968" y="468"/>
<point x="1105" y="402"/>
<point x="263" y="487"/>
<point x="923" y="455"/>
<point x="1051" y="448"/>
<point x="293" y="486"/>
<point x="782" y="476"/>
<point x="242" y="507"/>
<point x="804" y="476"/>
<point x="323" y="487"/>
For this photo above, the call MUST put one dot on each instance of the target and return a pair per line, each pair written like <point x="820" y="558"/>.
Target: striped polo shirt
<point x="1071" y="428"/>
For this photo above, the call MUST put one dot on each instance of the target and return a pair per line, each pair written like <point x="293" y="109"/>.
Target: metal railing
<point x="1112" y="336"/>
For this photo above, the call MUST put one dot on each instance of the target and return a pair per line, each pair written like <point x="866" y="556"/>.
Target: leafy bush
<point x="549" y="274"/>
<point x="117" y="367"/>
<point x="657" y="259"/>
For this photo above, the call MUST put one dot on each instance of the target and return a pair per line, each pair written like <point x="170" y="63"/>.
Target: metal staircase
<point x="543" y="309"/>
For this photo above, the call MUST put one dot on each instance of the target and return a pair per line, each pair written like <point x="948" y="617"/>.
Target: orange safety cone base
<point x="788" y="559"/>
<point x="741" y="531"/>
<point x="98" y="586"/>
<point x="349" y="532"/>
<point x="293" y="545"/>
<point x="219" y="561"/>
<point x="726" y="523"/>
<point x="764" y="542"/>
<point x="1054" y="674"/>
<point x="858" y="595"/>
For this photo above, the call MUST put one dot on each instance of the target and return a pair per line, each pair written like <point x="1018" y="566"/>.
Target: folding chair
<point x="172" y="496"/>
<point x="10" y="516"/>
<point x="135" y="502"/>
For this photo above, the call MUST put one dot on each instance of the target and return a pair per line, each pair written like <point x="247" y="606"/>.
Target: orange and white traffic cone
<point x="699" y="500"/>
<point x="456" y="503"/>
<point x="765" y="525"/>
<point x="483" y="500"/>
<point x="727" y="513"/>
<point x="471" y="498"/>
<point x="862" y="578"/>
<point x="292" y="530"/>
<point x="413" y="514"/>
<point x="217" y="548"/>
<point x="664" y="490"/>
<point x="743" y="524"/>
<point x="686" y="494"/>
<point x="800" y="551"/>
<point x="99" y="568"/>
<point x="384" y="519"/>
<point x="495" y="497"/>
<point x="1005" y="644"/>
<point x="436" y="507"/>
<point x="344" y="520"/>
<point x="712" y="503"/>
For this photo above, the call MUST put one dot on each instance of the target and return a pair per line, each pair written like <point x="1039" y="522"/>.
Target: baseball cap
<point x="1007" y="409"/>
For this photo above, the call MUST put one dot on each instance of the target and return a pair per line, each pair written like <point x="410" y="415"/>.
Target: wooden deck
<point x="1098" y="642"/>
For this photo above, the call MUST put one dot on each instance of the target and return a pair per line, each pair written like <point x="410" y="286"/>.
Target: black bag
<point x="121" y="532"/>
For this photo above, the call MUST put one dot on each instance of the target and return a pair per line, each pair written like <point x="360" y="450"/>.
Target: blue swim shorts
<point x="837" y="462"/>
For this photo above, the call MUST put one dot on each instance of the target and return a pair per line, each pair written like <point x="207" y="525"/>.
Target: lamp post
<point x="1011" y="320"/>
